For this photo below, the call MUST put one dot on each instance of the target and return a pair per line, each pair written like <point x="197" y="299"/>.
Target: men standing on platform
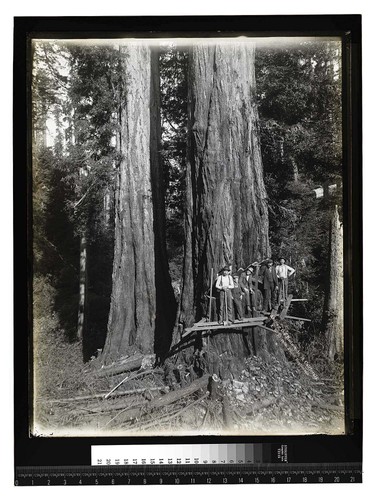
<point x="283" y="272"/>
<point x="270" y="286"/>
<point x="224" y="285"/>
<point x="247" y="286"/>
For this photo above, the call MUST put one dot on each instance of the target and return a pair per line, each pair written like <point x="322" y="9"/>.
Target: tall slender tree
<point x="335" y="293"/>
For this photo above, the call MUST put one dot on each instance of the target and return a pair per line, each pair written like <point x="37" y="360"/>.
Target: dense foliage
<point x="299" y="102"/>
<point x="173" y="90"/>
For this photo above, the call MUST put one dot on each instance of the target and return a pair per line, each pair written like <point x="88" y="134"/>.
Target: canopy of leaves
<point x="299" y="100"/>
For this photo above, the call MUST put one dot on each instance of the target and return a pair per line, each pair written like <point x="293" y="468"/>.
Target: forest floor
<point x="71" y="398"/>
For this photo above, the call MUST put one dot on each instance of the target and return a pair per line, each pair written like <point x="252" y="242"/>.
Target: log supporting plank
<point x="233" y="326"/>
<point x="296" y="318"/>
<point x="286" y="306"/>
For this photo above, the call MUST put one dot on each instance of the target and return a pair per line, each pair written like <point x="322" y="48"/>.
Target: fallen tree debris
<point x="101" y="395"/>
<point x="168" y="398"/>
<point x="132" y="377"/>
<point x="128" y="365"/>
<point x="262" y="404"/>
<point x="167" y="418"/>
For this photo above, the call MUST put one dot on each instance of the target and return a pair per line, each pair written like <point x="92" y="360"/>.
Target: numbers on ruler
<point x="215" y="477"/>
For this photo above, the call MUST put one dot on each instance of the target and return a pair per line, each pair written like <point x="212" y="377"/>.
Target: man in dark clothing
<point x="237" y="293"/>
<point x="270" y="286"/>
<point x="247" y="286"/>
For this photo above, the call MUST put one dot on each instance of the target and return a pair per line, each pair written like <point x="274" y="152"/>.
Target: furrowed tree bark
<point x="335" y="309"/>
<point x="227" y="214"/>
<point x="140" y="280"/>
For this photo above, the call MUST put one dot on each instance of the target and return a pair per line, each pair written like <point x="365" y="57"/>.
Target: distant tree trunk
<point x="226" y="213"/>
<point x="165" y="299"/>
<point x="335" y="303"/>
<point x="295" y="170"/>
<point x="140" y="280"/>
<point x="82" y="286"/>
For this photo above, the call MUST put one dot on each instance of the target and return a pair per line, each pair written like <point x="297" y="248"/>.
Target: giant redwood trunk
<point x="141" y="287"/>
<point x="335" y="309"/>
<point x="227" y="215"/>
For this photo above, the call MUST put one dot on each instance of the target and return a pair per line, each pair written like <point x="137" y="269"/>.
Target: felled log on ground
<point x="100" y="395"/>
<point x="165" y="399"/>
<point x="127" y="366"/>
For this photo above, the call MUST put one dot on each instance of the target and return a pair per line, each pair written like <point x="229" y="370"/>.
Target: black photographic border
<point x="34" y="451"/>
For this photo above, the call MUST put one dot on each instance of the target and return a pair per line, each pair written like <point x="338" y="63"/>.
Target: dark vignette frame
<point x="33" y="451"/>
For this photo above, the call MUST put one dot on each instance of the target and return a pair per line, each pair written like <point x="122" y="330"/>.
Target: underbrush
<point x="303" y="395"/>
<point x="58" y="363"/>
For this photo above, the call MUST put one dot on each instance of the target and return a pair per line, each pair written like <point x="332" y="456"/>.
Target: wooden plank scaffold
<point x="258" y="320"/>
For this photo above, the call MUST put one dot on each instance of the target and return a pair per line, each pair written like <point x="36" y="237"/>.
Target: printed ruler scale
<point x="190" y="464"/>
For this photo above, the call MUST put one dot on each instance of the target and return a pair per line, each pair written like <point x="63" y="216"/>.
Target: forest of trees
<point x="153" y="165"/>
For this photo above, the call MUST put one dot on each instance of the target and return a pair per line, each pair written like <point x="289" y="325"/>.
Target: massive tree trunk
<point x="335" y="303"/>
<point x="227" y="215"/>
<point x="141" y="285"/>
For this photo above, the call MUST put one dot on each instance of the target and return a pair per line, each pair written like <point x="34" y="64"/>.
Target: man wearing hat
<point x="247" y="286"/>
<point x="283" y="272"/>
<point x="237" y="293"/>
<point x="224" y="285"/>
<point x="270" y="285"/>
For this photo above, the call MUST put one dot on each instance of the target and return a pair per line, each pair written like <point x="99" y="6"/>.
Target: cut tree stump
<point x="227" y="413"/>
